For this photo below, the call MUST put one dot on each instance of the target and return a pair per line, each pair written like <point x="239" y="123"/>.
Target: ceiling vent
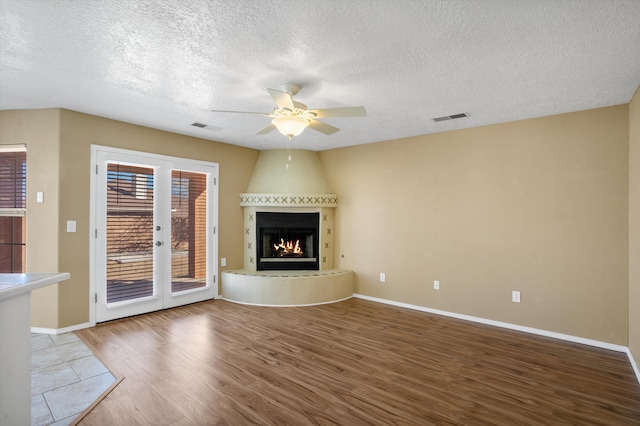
<point x="451" y="117"/>
<point x="206" y="126"/>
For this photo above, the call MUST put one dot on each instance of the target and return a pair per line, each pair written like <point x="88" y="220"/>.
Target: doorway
<point x="155" y="238"/>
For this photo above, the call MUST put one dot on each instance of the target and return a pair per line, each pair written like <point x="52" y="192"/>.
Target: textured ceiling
<point x="165" y="64"/>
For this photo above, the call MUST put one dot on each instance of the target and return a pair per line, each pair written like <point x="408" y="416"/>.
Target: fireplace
<point x="288" y="235"/>
<point x="287" y="241"/>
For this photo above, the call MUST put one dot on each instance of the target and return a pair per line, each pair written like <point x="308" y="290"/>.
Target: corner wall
<point x="539" y="206"/>
<point x="634" y="226"/>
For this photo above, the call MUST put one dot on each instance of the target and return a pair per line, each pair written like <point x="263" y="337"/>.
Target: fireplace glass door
<point x="287" y="241"/>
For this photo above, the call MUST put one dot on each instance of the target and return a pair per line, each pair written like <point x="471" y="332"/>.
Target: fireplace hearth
<point x="287" y="241"/>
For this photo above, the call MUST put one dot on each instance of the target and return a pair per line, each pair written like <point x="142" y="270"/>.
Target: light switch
<point x="71" y="226"/>
<point x="39" y="197"/>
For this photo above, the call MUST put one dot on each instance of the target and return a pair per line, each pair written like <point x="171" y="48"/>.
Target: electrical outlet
<point x="515" y="296"/>
<point x="223" y="261"/>
<point x="436" y="285"/>
<point x="383" y="277"/>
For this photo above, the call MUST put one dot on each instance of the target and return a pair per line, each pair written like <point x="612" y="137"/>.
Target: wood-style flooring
<point x="350" y="363"/>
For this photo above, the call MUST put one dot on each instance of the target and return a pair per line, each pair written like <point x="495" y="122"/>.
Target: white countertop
<point x="14" y="284"/>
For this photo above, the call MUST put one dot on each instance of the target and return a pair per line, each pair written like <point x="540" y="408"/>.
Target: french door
<point x="155" y="232"/>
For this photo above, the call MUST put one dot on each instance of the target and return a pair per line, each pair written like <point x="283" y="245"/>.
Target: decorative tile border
<point x="288" y="200"/>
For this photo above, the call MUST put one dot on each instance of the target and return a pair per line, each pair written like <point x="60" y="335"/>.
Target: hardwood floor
<point x="350" y="363"/>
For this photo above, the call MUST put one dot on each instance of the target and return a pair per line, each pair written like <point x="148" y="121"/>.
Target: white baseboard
<point x="537" y="331"/>
<point x="55" y="331"/>
<point x="633" y="364"/>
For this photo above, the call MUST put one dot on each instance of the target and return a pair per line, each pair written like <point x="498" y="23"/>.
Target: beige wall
<point x="76" y="134"/>
<point x="634" y="226"/>
<point x="544" y="206"/>
<point x="40" y="131"/>
<point x="539" y="206"/>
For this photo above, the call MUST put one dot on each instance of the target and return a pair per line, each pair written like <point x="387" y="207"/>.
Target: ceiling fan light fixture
<point x="290" y="126"/>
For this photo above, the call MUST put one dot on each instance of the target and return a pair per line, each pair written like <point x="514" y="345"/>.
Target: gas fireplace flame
<point x="287" y="249"/>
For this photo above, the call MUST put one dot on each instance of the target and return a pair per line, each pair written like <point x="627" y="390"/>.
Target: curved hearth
<point x="287" y="288"/>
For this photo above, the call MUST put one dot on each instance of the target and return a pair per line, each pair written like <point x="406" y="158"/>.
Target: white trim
<point x="537" y="331"/>
<point x="160" y="157"/>
<point x="93" y="179"/>
<point x="560" y="336"/>
<point x="14" y="148"/>
<point x="56" y="331"/>
<point x="546" y="333"/>
<point x="633" y="364"/>
<point x="11" y="212"/>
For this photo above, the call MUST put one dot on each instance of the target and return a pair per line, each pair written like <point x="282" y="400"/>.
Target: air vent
<point x="445" y="118"/>
<point x="206" y="126"/>
<point x="461" y="115"/>
<point x="451" y="117"/>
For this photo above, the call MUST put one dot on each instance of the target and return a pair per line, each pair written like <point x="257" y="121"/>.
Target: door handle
<point x="158" y="243"/>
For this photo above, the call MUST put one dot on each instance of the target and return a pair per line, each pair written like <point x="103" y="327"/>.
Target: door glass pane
<point x="129" y="232"/>
<point x="188" y="230"/>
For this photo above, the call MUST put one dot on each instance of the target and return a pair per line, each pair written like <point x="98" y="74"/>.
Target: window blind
<point x="13" y="182"/>
<point x="130" y="236"/>
<point x="13" y="205"/>
<point x="188" y="230"/>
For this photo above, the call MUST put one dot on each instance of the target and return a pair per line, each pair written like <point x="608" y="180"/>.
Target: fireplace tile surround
<point x="325" y="234"/>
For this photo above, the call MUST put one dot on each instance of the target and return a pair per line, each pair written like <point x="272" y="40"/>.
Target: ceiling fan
<point x="291" y="117"/>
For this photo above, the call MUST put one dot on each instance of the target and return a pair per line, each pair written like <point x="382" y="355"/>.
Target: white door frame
<point x="169" y="300"/>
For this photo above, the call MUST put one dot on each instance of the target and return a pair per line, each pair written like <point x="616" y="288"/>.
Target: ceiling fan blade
<point x="282" y="99"/>
<point x="266" y="130"/>
<point x="241" y="112"/>
<point x="321" y="127"/>
<point x="358" y="111"/>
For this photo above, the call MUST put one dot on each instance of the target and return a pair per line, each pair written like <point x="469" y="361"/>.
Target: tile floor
<point x="65" y="378"/>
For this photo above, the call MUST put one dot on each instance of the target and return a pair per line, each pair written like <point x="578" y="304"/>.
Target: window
<point x="13" y="206"/>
